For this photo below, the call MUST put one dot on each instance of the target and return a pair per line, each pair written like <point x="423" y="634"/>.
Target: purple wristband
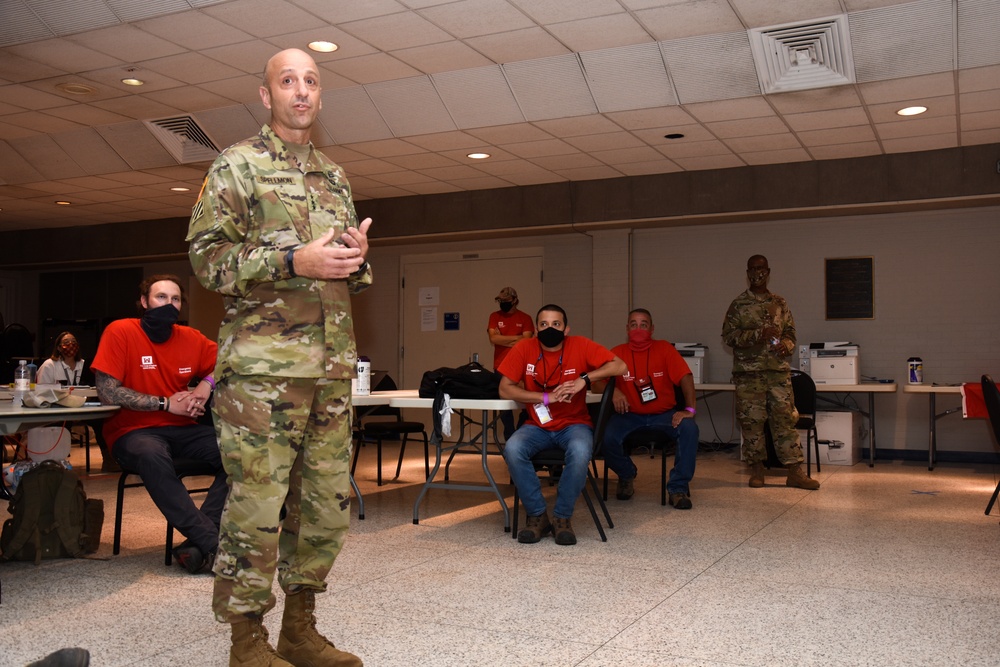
<point x="691" y="410"/>
<point x="545" y="398"/>
<point x="210" y="381"/>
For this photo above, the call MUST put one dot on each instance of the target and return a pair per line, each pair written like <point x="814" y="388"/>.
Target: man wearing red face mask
<point x="507" y="327"/>
<point x="645" y="397"/>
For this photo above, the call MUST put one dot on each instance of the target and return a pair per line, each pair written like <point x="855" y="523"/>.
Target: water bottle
<point x="32" y="374"/>
<point x="915" y="370"/>
<point x="22" y="383"/>
<point x="364" y="375"/>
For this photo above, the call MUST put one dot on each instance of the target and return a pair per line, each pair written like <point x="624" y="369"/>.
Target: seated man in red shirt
<point x="550" y="374"/>
<point x="645" y="397"/>
<point x="146" y="366"/>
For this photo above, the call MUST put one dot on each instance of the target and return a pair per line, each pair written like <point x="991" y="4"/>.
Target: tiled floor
<point x="887" y="566"/>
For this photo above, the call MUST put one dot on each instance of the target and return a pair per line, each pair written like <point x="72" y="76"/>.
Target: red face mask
<point x="639" y="339"/>
<point x="69" y="349"/>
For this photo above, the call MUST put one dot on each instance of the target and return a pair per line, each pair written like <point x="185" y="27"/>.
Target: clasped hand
<point x="330" y="258"/>
<point x="563" y="393"/>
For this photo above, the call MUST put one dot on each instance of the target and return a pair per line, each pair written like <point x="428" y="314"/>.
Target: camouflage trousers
<point x="765" y="397"/>
<point x="286" y="443"/>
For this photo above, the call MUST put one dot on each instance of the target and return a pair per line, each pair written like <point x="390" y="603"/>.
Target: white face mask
<point x="758" y="277"/>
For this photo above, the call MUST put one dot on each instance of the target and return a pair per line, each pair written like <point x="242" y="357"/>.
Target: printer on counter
<point x="834" y="363"/>
<point x="694" y="355"/>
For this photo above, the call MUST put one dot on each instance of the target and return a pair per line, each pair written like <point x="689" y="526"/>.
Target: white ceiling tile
<point x="125" y="44"/>
<point x="763" y="13"/>
<point x="749" y="107"/>
<point x="688" y="19"/>
<point x="556" y="11"/>
<point x="349" y="115"/>
<point x="550" y="88"/>
<point x="931" y="142"/>
<point x="527" y="44"/>
<point x="63" y="55"/>
<point x="628" y="77"/>
<point x="41" y="122"/>
<point x="472" y="18"/>
<point x="601" y="32"/>
<point x="193" y="30"/>
<point x="241" y="89"/>
<point x="112" y="78"/>
<point x="907" y="89"/>
<point x="916" y="126"/>
<point x="86" y="114"/>
<point x="28" y="98"/>
<point x="138" y="107"/>
<point x="189" y="99"/>
<point x="191" y="68"/>
<point x="533" y="149"/>
<point x="682" y="149"/>
<point x="826" y="119"/>
<point x="709" y="162"/>
<point x="343" y="11"/>
<point x="979" y="101"/>
<point x="372" y="69"/>
<point x="569" y="161"/>
<point x="450" y="173"/>
<point x="94" y="155"/>
<point x="423" y="162"/>
<point x="604" y="142"/>
<point x="20" y="24"/>
<point x="655" y="136"/>
<point x="410" y="106"/>
<point x="396" y="31"/>
<point x="776" y="156"/>
<point x="817" y="99"/>
<point x="840" y="135"/>
<point x="369" y="166"/>
<point x="902" y="40"/>
<point x="15" y="68"/>
<point x="660" y="166"/>
<point x="264" y="18"/>
<point x="731" y="73"/>
<point x="589" y="173"/>
<point x="445" y="141"/>
<point x="386" y="148"/>
<point x="747" y="127"/>
<point x="651" y="118"/>
<point x="480" y="183"/>
<point x="442" y="57"/>
<point x="47" y="157"/>
<point x="85" y="15"/>
<point x="981" y="78"/>
<point x="622" y="156"/>
<point x="977" y="137"/>
<point x="508" y="134"/>
<point x="478" y="97"/>
<point x="936" y="107"/>
<point x="248" y="57"/>
<point x="573" y="127"/>
<point x="763" y="143"/>
<point x="983" y="120"/>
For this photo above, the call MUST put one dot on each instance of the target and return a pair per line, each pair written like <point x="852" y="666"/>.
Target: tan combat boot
<point x="798" y="479"/>
<point x="756" y="475"/>
<point x="250" y="647"/>
<point x="300" y="643"/>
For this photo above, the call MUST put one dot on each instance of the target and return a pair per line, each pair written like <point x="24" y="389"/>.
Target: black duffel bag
<point x="472" y="380"/>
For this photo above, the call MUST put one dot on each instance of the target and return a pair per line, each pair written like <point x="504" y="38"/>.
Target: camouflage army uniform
<point x="286" y="356"/>
<point x="763" y="384"/>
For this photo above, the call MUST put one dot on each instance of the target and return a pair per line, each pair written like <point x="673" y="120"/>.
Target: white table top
<point x="867" y="387"/>
<point x="932" y="389"/>
<point x="13" y="419"/>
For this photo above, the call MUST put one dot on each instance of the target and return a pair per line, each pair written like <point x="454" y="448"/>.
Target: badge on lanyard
<point x="646" y="392"/>
<point x="542" y="413"/>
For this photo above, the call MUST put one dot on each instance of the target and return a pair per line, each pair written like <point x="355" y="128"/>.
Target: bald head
<point x="291" y="91"/>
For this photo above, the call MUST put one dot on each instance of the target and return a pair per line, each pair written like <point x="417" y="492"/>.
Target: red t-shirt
<point x="662" y="364"/>
<point x="160" y="369"/>
<point x="526" y="362"/>
<point x="508" y="324"/>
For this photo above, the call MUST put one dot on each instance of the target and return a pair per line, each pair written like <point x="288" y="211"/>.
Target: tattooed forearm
<point x="111" y="392"/>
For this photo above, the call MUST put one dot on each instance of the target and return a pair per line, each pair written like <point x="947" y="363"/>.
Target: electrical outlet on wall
<point x="804" y="358"/>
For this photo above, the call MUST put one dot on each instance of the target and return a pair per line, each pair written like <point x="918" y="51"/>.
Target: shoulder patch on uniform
<point x="274" y="180"/>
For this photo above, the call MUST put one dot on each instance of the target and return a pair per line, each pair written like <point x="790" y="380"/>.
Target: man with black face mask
<point x="760" y="329"/>
<point x="507" y="327"/>
<point x="146" y="366"/>
<point x="551" y="374"/>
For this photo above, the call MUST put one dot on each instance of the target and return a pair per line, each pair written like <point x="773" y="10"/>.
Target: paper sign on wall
<point x="451" y="322"/>
<point x="429" y="296"/>
<point x="428" y="319"/>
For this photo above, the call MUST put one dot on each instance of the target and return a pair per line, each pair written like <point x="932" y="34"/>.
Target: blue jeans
<point x="151" y="453"/>
<point x="686" y="435"/>
<point x="576" y="440"/>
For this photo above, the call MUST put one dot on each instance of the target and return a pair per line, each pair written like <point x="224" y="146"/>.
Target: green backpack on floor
<point x="52" y="517"/>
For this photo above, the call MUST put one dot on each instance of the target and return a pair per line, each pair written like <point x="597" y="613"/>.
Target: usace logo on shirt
<point x="147" y="363"/>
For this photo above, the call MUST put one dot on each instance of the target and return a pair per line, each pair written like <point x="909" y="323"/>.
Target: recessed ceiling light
<point x="63" y="203"/>
<point x="323" y="46"/>
<point x="133" y="82"/>
<point x="911" y="111"/>
<point x="76" y="88"/>
<point x="179" y="189"/>
<point x="478" y="156"/>
<point x="673" y="135"/>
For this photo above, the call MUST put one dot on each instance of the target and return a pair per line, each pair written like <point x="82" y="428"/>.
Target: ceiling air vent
<point x="184" y="138"/>
<point x="801" y="56"/>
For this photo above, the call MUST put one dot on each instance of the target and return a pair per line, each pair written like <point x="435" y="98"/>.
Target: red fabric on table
<point x="973" y="404"/>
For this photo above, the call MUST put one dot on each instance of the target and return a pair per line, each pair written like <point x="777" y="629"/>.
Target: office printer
<point x="694" y="355"/>
<point x="834" y="363"/>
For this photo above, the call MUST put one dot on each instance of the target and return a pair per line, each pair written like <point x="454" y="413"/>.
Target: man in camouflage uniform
<point x="760" y="329"/>
<point x="276" y="233"/>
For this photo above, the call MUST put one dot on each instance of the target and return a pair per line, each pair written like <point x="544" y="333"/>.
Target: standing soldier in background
<point x="760" y="329"/>
<point x="276" y="233"/>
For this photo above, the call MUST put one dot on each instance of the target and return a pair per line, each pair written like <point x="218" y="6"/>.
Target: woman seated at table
<point x="65" y="364"/>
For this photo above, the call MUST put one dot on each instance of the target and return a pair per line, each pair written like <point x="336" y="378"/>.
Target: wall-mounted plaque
<point x="850" y="289"/>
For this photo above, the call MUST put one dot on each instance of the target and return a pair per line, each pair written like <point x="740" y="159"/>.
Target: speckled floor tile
<point x="892" y="565"/>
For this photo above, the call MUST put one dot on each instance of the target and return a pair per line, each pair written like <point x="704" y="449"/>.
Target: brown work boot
<point x="626" y="488"/>
<point x="250" y="647"/>
<point x="757" y="475"/>
<point x="535" y="528"/>
<point x="300" y="643"/>
<point x="798" y="479"/>
<point x="563" y="530"/>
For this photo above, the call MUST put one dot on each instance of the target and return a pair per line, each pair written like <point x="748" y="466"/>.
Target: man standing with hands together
<point x="275" y="232"/>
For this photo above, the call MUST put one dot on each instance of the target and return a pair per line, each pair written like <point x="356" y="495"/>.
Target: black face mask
<point x="158" y="323"/>
<point x="506" y="306"/>
<point x="550" y="337"/>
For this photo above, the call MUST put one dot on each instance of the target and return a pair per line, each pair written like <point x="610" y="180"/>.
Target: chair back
<point x="804" y="393"/>
<point x="604" y="411"/>
<point x="991" y="396"/>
